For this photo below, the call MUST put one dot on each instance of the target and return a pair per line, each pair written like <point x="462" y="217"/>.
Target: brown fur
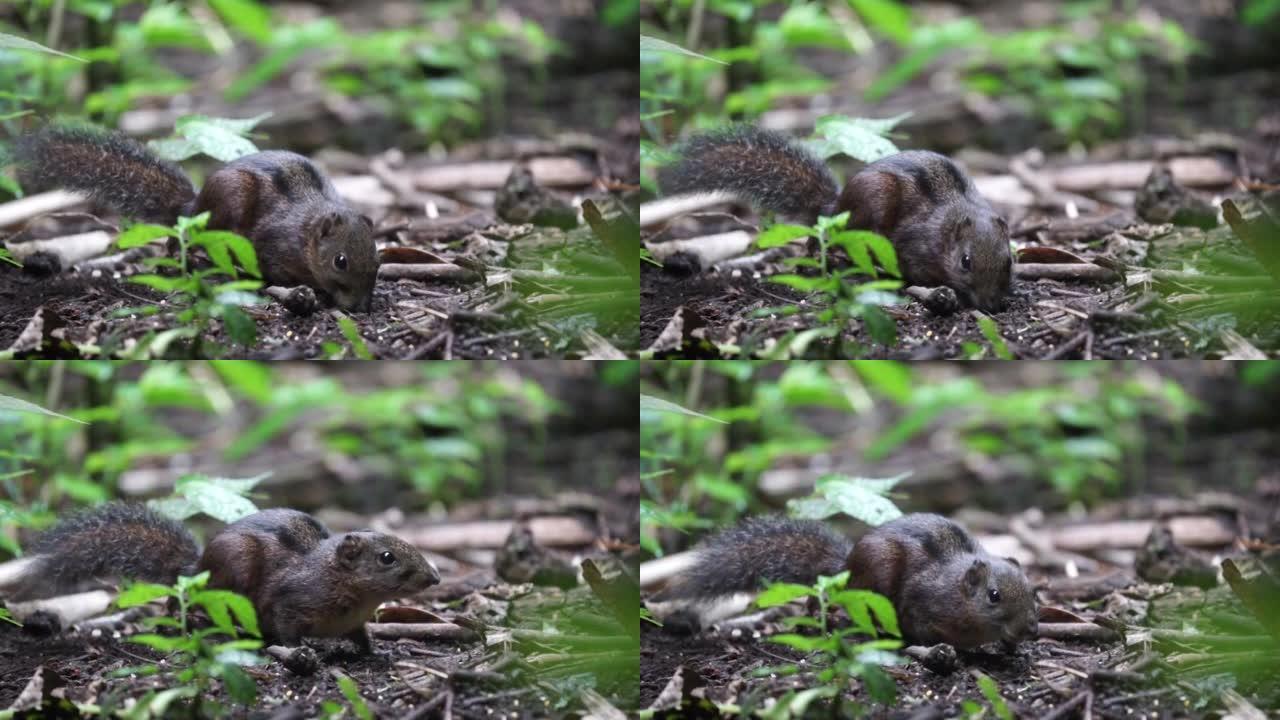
<point x="301" y="229"/>
<point x="302" y="581"/>
<point x="943" y="230"/>
<point x="940" y="582"/>
<point x="937" y="577"/>
<point x="305" y="582"/>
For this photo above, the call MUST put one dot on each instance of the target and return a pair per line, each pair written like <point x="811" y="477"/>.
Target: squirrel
<point x="943" y="231"/>
<point x="302" y="580"/>
<point x="301" y="229"/>
<point x="943" y="585"/>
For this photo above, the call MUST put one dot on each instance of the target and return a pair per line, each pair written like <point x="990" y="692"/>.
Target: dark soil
<point x="727" y="306"/>
<point x="1040" y="677"/>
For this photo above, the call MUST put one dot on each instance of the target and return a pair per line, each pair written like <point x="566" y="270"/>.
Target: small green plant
<point x="992" y="333"/>
<point x="204" y="655"/>
<point x="837" y="656"/>
<point x="352" y="333"/>
<point x="999" y="707"/>
<point x="845" y="299"/>
<point x="212" y="294"/>
<point x="7" y="257"/>
<point x="351" y="692"/>
<point x="6" y="616"/>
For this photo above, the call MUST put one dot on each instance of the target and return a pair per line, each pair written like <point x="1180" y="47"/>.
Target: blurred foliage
<point x="441" y="76"/>
<point x="444" y="436"/>
<point x="1081" y="434"/>
<point x="1081" y="74"/>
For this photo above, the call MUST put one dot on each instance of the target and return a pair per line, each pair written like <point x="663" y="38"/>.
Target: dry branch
<point x="448" y="632"/>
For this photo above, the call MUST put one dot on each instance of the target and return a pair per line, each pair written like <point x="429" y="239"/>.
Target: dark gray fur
<point x="109" y="167"/>
<point x="760" y="166"/>
<point x="759" y="550"/>
<point x="105" y="545"/>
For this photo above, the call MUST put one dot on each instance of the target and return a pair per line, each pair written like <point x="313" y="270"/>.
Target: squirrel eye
<point x="340" y="261"/>
<point x="387" y="558"/>
<point x="965" y="261"/>
<point x="993" y="595"/>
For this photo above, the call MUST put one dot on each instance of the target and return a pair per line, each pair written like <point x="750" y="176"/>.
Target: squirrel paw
<point x="301" y="301"/>
<point x="940" y="659"/>
<point x="300" y="660"/>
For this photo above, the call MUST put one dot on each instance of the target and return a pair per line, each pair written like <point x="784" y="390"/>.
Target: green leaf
<point x="247" y="16"/>
<point x="806" y="284"/>
<point x="809" y="24"/>
<point x="859" y="138"/>
<point x="216" y="607"/>
<point x="14" y="404"/>
<point x="352" y="333"/>
<point x="352" y="692"/>
<point x="654" y="45"/>
<point x="992" y="693"/>
<point x="861" y="498"/>
<point x="141" y="594"/>
<point x="992" y="334"/>
<point x="163" y="284"/>
<point x="142" y="234"/>
<point x="862" y="601"/>
<point x="219" y="138"/>
<point x="1257" y="12"/>
<point x="160" y="642"/>
<point x="884" y="252"/>
<point x="782" y="593"/>
<point x="217" y="252"/>
<point x="239" y="246"/>
<point x="804" y="643"/>
<point x="252" y="379"/>
<point x="889" y="17"/>
<point x="13" y="42"/>
<point x="240" y="327"/>
<point x="240" y="686"/>
<point x="810" y="384"/>
<point x="893" y="379"/>
<point x="779" y="235"/>
<point x="221" y="604"/>
<point x="853" y="243"/>
<point x="657" y="404"/>
<point x="207" y="496"/>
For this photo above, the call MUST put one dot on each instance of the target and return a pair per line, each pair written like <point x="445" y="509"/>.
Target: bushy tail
<point x="760" y="550"/>
<point x="762" y="167"/>
<point x="112" y="169"/>
<point x="118" y="541"/>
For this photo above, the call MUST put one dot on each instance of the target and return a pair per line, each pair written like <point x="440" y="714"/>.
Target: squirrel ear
<point x="1014" y="562"/>
<point x="367" y="221"/>
<point x="349" y="549"/>
<point x="976" y="575"/>
<point x="328" y="223"/>
<point x="1004" y="225"/>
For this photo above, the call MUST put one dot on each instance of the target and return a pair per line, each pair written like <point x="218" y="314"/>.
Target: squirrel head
<point x="998" y="601"/>
<point x="345" y="261"/>
<point x="382" y="566"/>
<point x="979" y="263"/>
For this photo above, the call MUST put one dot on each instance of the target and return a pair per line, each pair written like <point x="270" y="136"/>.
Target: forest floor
<point x="482" y="642"/>
<point x="1129" y="249"/>
<point x="1111" y="643"/>
<point x="518" y="623"/>
<point x="468" y="285"/>
<point x="1106" y="285"/>
<point x="519" y="243"/>
<point x="1141" y="613"/>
